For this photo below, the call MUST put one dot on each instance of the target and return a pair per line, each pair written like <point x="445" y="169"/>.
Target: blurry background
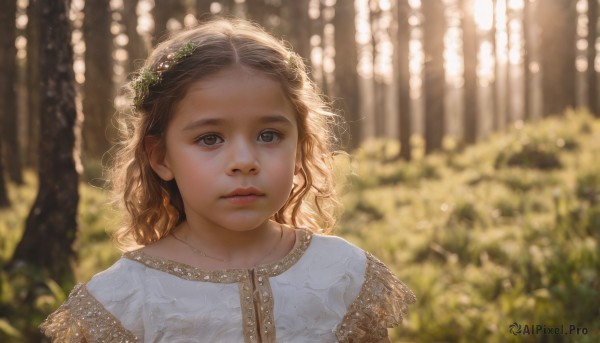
<point x="472" y="127"/>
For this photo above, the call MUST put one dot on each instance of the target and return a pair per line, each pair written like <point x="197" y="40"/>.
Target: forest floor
<point x="502" y="234"/>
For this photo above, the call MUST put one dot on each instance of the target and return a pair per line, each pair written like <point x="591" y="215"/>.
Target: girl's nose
<point x="243" y="159"/>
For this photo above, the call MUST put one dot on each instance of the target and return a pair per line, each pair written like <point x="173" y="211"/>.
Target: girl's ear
<point x="156" y="157"/>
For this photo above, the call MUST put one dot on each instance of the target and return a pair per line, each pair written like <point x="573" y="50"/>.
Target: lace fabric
<point x="83" y="319"/>
<point x="381" y="304"/>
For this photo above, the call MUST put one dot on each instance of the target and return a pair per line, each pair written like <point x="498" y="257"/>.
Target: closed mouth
<point x="241" y="192"/>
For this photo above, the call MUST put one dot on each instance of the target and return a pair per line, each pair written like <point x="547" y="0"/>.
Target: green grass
<point x="501" y="232"/>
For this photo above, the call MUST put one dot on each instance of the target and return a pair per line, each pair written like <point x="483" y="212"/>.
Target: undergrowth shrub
<point x="464" y="214"/>
<point x="503" y="232"/>
<point x="507" y="208"/>
<point x="592" y="222"/>
<point x="534" y="156"/>
<point x="588" y="187"/>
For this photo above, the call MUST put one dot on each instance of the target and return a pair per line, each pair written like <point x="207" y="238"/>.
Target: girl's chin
<point x="246" y="225"/>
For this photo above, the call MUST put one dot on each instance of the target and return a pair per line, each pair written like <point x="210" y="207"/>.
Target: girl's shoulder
<point x="332" y="241"/>
<point x="382" y="300"/>
<point x="123" y="274"/>
<point x="337" y="250"/>
<point x="329" y="261"/>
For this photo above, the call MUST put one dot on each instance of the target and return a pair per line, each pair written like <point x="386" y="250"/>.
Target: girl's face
<point x="232" y="148"/>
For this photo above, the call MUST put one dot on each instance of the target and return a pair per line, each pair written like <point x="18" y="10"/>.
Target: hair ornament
<point x="150" y="77"/>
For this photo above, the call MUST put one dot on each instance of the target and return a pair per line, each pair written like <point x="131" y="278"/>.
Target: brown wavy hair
<point x="154" y="206"/>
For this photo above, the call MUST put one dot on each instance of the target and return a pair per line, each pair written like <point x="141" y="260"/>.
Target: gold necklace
<point x="202" y="253"/>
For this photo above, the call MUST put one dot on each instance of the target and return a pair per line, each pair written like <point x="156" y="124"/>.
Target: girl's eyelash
<point x="202" y="138"/>
<point x="276" y="133"/>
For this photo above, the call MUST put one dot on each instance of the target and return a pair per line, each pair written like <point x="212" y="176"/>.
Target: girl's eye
<point x="269" y="136"/>
<point x="210" y="140"/>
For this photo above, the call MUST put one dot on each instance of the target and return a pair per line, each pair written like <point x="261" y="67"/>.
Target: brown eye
<point x="210" y="140"/>
<point x="269" y="136"/>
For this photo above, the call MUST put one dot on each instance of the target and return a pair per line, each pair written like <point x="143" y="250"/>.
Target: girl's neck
<point x="228" y="246"/>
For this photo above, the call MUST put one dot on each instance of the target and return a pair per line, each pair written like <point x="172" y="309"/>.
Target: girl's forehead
<point x="236" y="75"/>
<point x="235" y="93"/>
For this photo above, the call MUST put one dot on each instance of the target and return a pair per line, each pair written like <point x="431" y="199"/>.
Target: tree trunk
<point x="557" y="23"/>
<point x="346" y="74"/>
<point x="203" y="9"/>
<point x="136" y="50"/>
<point x="434" y="80"/>
<point x="4" y="200"/>
<point x="51" y="226"/>
<point x="266" y="14"/>
<point x="297" y="22"/>
<point x="325" y="44"/>
<point x="257" y="11"/>
<point x="33" y="81"/>
<point x="401" y="53"/>
<point x="317" y="28"/>
<point x="501" y="69"/>
<point x="378" y="82"/>
<point x="592" y="74"/>
<point x="510" y="115"/>
<point x="227" y="7"/>
<point x="98" y="87"/>
<point x="496" y="98"/>
<point x="8" y="94"/>
<point x="527" y="52"/>
<point x="162" y="12"/>
<point x="470" y="72"/>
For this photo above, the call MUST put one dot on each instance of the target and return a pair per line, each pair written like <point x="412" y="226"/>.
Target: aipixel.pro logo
<point x="541" y="329"/>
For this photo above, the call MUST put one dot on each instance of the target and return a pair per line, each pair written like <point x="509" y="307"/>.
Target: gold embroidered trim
<point x="83" y="319"/>
<point x="303" y="239"/>
<point x="381" y="303"/>
<point x="256" y="295"/>
<point x="187" y="272"/>
<point x="248" y="313"/>
<point x="256" y="299"/>
<point x="265" y="304"/>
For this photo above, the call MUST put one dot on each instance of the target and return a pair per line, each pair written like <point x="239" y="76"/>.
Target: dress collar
<point x="187" y="272"/>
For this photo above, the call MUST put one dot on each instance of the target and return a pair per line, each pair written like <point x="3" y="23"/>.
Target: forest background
<point x="472" y="126"/>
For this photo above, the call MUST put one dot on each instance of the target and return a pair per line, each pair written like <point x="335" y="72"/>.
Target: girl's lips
<point x="243" y="199"/>
<point x="244" y="192"/>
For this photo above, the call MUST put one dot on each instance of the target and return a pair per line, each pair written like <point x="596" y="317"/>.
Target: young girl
<point x="226" y="177"/>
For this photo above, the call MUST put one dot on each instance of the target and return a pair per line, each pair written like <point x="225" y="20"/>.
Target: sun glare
<point x="483" y="11"/>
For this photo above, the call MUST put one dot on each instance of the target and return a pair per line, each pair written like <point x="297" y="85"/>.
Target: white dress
<point x="324" y="290"/>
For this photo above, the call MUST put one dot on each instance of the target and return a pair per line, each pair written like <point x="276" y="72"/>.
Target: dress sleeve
<point x="83" y="319"/>
<point x="382" y="303"/>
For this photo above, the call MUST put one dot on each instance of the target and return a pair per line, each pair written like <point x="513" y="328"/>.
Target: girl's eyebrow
<point x="268" y="119"/>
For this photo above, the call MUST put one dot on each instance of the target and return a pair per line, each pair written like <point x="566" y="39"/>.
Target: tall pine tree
<point x="558" y="24"/>
<point x="51" y="226"/>
<point x="434" y="80"/>
<point x="8" y="93"/>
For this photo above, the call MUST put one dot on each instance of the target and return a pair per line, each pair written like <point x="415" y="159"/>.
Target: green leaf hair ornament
<point x="150" y="77"/>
